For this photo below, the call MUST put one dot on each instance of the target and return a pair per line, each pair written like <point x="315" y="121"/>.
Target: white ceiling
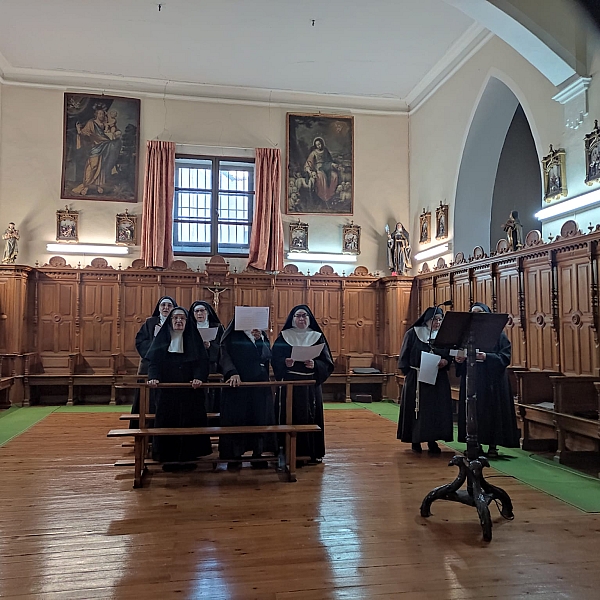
<point x="366" y="52"/>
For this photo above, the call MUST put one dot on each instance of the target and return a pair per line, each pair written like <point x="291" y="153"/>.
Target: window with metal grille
<point x="213" y="205"/>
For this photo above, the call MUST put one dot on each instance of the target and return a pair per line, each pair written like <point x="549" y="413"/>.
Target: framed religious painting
<point x="67" y="225"/>
<point x="126" y="229"/>
<point x="592" y="155"/>
<point x="424" y="227"/>
<point x="441" y="221"/>
<point x="298" y="237"/>
<point x="100" y="147"/>
<point x="320" y="164"/>
<point x="555" y="174"/>
<point x="351" y="239"/>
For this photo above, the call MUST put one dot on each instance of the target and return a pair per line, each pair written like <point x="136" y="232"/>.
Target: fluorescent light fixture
<point x="567" y="206"/>
<point x="98" y="250"/>
<point x="321" y="257"/>
<point x="435" y="251"/>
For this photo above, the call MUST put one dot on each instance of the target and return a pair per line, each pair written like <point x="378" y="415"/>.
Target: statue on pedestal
<point x="11" y="248"/>
<point x="398" y="243"/>
<point x="514" y="231"/>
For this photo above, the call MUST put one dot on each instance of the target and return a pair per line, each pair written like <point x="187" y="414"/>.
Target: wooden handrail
<point x="219" y="385"/>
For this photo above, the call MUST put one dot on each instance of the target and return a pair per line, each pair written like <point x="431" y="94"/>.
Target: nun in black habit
<point x="245" y="357"/>
<point x="203" y="316"/>
<point x="302" y="329"/>
<point x="496" y="418"/>
<point x="143" y="341"/>
<point x="425" y="410"/>
<point x="177" y="355"/>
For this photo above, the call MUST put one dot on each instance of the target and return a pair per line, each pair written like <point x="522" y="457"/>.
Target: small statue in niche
<point x="514" y="231"/>
<point x="398" y="243"/>
<point x="11" y="247"/>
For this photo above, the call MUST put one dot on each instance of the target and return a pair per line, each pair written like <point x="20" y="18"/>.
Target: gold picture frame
<point x="441" y="221"/>
<point x="298" y="237"/>
<point x="555" y="174"/>
<point x="592" y="155"/>
<point x="67" y="225"/>
<point x="351" y="239"/>
<point x="425" y="227"/>
<point x="126" y="229"/>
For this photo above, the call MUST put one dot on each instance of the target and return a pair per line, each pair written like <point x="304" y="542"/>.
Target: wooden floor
<point x="71" y="526"/>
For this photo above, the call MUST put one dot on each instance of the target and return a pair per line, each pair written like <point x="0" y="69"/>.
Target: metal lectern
<point x="473" y="331"/>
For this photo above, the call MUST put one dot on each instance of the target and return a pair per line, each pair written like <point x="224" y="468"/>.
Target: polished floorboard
<point x="72" y="526"/>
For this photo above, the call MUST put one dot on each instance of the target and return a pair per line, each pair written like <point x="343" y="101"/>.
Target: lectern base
<point x="479" y="492"/>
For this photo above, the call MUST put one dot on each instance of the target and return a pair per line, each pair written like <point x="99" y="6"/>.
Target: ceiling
<point x="374" y="54"/>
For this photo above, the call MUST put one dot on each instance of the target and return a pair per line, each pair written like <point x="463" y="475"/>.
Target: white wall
<point x="30" y="170"/>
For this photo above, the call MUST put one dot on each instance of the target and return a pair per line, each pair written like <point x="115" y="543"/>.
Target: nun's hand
<point x="207" y="345"/>
<point x="443" y="363"/>
<point x="153" y="383"/>
<point x="459" y="359"/>
<point x="234" y="381"/>
<point x="289" y="362"/>
<point x="309" y="364"/>
<point x="480" y="356"/>
<point x="196" y="383"/>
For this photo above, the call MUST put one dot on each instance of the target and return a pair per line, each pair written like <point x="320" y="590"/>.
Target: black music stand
<point x="474" y="331"/>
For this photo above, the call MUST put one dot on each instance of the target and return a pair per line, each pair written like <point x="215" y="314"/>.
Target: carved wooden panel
<point x="578" y="353"/>
<point x="443" y="290"/>
<point x="507" y="299"/>
<point x="98" y="310"/>
<point x="287" y="296"/>
<point x="426" y="294"/>
<point x="325" y="300"/>
<point x="462" y="291"/>
<point x="360" y="316"/>
<point x="541" y="337"/>
<point x="56" y="315"/>
<point x="483" y="290"/>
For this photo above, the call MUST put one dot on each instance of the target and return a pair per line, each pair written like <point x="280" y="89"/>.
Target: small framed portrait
<point x="351" y="239"/>
<point x="592" y="155"/>
<point x="299" y="237"/>
<point x="126" y="231"/>
<point x="425" y="227"/>
<point x="67" y="225"/>
<point x="555" y="174"/>
<point x="441" y="221"/>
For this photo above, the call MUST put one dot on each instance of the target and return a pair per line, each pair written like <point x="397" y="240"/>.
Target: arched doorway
<point x="499" y="171"/>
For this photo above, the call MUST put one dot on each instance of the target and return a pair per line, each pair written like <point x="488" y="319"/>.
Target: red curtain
<point x="266" y="241"/>
<point x="157" y="219"/>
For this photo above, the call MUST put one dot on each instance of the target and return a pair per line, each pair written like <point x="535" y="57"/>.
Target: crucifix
<point x="216" y="292"/>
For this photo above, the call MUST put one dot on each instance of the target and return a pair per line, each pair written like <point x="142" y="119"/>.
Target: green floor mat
<point x="564" y="483"/>
<point x="91" y="408"/>
<point x="17" y="420"/>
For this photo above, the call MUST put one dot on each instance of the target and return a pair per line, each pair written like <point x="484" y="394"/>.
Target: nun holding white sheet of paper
<point x="425" y="408"/>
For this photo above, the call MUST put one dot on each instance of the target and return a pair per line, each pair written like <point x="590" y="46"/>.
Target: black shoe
<point x="188" y="467"/>
<point x="492" y="452"/>
<point x="234" y="465"/>
<point x="259" y="464"/>
<point x="433" y="448"/>
<point x="417" y="448"/>
<point x="170" y="468"/>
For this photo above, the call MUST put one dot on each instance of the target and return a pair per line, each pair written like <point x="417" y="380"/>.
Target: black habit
<point x="179" y="407"/>
<point x="307" y="405"/>
<point x="496" y="418"/>
<point x="434" y="418"/>
<point x="213" y="397"/>
<point x="245" y="406"/>
<point x="143" y="341"/>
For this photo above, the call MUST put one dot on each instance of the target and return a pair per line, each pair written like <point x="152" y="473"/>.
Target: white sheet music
<point x="304" y="353"/>
<point x="429" y="367"/>
<point x="251" y="317"/>
<point x="208" y="334"/>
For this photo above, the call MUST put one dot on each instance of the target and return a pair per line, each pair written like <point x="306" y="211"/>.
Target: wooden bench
<point x="143" y="434"/>
<point x="71" y="371"/>
<point x="576" y="409"/>
<point x="535" y="407"/>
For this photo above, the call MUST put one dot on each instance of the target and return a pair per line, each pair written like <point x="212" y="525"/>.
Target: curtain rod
<point x="217" y="147"/>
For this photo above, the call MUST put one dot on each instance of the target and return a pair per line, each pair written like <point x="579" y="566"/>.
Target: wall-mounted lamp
<point x="321" y="257"/>
<point x="435" y="251"/>
<point x="97" y="249"/>
<point x="569" y="206"/>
